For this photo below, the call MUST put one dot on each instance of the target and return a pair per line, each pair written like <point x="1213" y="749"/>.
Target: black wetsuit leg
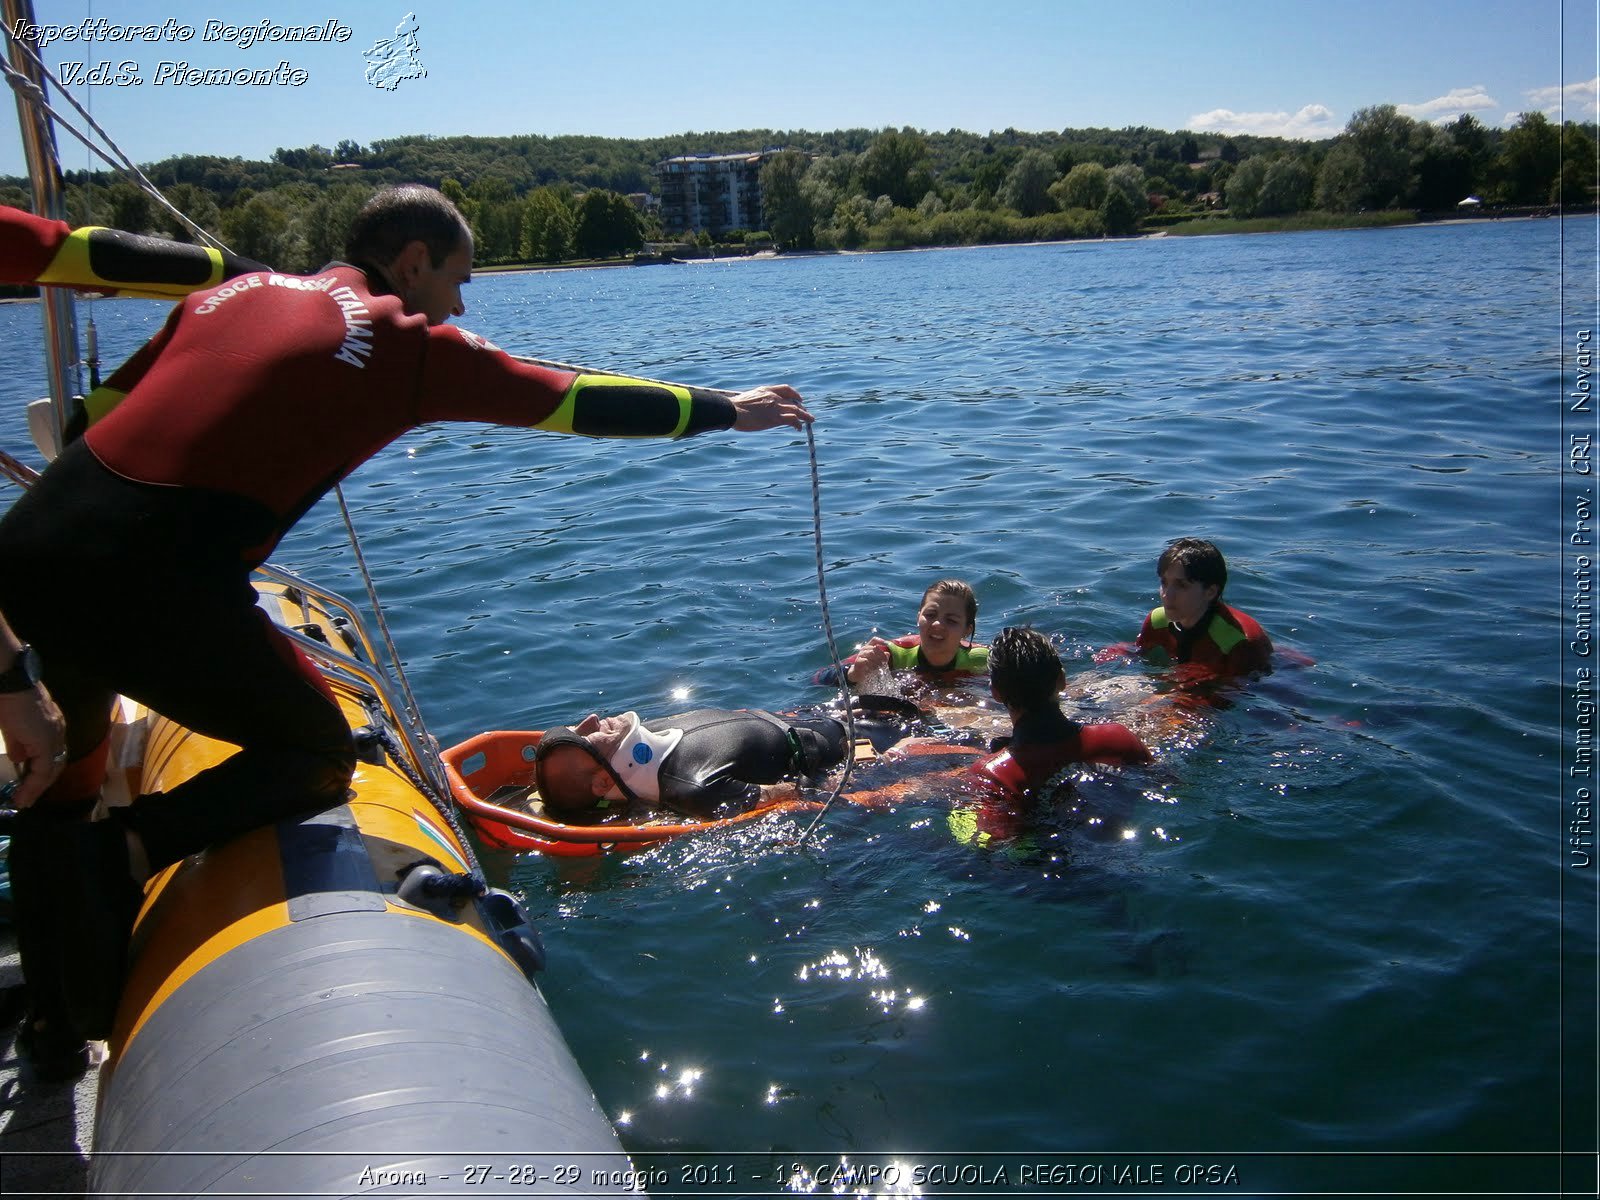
<point x="248" y="685"/>
<point x="821" y="742"/>
<point x="125" y="588"/>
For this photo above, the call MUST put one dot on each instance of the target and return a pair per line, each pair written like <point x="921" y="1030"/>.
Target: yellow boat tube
<point x="326" y="1007"/>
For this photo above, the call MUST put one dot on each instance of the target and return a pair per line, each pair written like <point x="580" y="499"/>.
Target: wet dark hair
<point x="569" y="803"/>
<point x="1024" y="669"/>
<point x="398" y="216"/>
<point x="961" y="590"/>
<point x="1201" y="561"/>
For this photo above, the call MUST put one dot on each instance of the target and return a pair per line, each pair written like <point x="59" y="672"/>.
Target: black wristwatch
<point x="23" y="673"/>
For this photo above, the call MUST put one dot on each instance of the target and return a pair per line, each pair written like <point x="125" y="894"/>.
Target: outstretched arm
<point x="37" y="250"/>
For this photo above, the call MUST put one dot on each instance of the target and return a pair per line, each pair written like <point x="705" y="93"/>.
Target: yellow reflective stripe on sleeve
<point x="71" y="263"/>
<point x="566" y="418"/>
<point x="73" y="266"/>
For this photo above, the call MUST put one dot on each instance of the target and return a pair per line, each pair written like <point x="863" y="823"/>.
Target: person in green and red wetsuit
<point x="1026" y="675"/>
<point x="996" y="793"/>
<point x="1192" y="627"/>
<point x="942" y="645"/>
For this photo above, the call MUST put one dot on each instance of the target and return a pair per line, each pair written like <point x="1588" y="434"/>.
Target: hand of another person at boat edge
<point x="36" y="741"/>
<point x="768" y="407"/>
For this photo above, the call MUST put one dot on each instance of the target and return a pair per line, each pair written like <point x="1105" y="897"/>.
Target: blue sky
<point x="629" y="68"/>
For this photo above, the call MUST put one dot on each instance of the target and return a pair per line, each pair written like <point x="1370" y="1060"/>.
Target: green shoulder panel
<point x="1224" y="633"/>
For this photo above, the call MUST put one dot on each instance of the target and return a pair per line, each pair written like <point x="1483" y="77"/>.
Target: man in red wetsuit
<point x="1026" y="675"/>
<point x="127" y="564"/>
<point x="1193" y="627"/>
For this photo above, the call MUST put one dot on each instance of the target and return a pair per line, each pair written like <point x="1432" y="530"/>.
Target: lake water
<point x="1338" y="942"/>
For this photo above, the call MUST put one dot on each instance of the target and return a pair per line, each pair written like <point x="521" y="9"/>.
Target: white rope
<point x="121" y="163"/>
<point x="833" y="648"/>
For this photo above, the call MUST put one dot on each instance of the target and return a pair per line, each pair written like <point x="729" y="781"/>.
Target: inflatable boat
<point x="338" y="1005"/>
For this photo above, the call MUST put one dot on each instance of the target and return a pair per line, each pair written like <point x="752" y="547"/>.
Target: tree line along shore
<point x="567" y="200"/>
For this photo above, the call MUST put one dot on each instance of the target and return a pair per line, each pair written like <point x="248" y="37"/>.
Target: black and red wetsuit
<point x="1005" y="784"/>
<point x="127" y="564"/>
<point x="1225" y="642"/>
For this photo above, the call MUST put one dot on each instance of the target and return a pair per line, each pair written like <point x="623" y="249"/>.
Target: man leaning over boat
<point x="203" y="450"/>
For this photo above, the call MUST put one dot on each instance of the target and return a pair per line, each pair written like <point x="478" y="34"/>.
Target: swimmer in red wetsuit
<point x="1193" y="627"/>
<point x="998" y="791"/>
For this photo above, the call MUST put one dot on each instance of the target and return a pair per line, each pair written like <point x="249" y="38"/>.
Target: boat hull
<point x="300" y="1021"/>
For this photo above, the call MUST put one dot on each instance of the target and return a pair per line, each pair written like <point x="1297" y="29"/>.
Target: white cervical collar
<point x="637" y="759"/>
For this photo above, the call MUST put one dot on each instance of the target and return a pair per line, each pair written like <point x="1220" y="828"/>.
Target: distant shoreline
<point x="1230" y="226"/>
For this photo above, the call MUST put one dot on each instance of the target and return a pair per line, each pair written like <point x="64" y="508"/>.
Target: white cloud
<point x="1582" y="100"/>
<point x="1312" y="122"/>
<point x="1451" y="105"/>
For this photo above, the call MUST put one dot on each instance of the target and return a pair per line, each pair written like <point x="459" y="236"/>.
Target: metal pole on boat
<point x="44" y="174"/>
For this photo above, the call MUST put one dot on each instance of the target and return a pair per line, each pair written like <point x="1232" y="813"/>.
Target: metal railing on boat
<point x="359" y="667"/>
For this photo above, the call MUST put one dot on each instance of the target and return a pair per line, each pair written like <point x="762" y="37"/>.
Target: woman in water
<point x="942" y="645"/>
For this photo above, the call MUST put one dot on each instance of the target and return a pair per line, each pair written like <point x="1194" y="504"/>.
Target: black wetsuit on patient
<point x="725" y="756"/>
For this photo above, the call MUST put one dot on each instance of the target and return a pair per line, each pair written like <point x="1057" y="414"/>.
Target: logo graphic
<point x="391" y="61"/>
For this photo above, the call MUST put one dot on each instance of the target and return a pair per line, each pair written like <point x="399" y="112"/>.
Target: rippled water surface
<point x="1327" y="921"/>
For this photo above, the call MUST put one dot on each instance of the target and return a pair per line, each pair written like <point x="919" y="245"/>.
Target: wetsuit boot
<point x="102" y="903"/>
<point x="53" y="1048"/>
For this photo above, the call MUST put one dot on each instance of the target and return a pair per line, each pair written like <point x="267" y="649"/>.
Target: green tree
<point x="1381" y="137"/>
<point x="549" y="230"/>
<point x="1243" y="190"/>
<point x="1129" y="180"/>
<point x="326" y="223"/>
<point x="1444" y="169"/>
<point x="896" y="165"/>
<point x="990" y="170"/>
<point x="1286" y="187"/>
<point x="497" y="219"/>
<point x="1530" y="160"/>
<point x="786" y="202"/>
<point x="1027" y="186"/>
<point x="1084" y="186"/>
<point x="308" y="158"/>
<point x="1117" y="213"/>
<point x="193" y="202"/>
<point x="1578" y="179"/>
<point x="607" y="224"/>
<point x="1469" y="136"/>
<point x="130" y="208"/>
<point x="457" y="195"/>
<point x="260" y="229"/>
<point x="849" y="228"/>
<point x="1339" y="181"/>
